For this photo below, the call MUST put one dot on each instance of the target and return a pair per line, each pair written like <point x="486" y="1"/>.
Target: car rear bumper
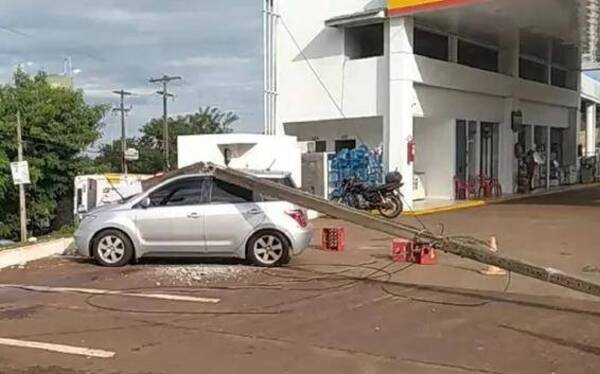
<point x="301" y="240"/>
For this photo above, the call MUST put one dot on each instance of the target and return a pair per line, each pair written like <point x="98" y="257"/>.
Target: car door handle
<point x="254" y="212"/>
<point x="194" y="215"/>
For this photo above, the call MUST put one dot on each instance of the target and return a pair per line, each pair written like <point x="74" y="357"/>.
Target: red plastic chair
<point x="460" y="189"/>
<point x="496" y="187"/>
<point x="485" y="187"/>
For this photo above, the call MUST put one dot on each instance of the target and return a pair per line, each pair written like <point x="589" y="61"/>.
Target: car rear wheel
<point x="268" y="249"/>
<point x="112" y="248"/>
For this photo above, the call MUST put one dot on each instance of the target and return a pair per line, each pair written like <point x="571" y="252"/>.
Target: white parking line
<point x="94" y="291"/>
<point x="66" y="349"/>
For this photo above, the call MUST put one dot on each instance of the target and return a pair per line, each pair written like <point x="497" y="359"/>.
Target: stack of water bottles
<point x="361" y="164"/>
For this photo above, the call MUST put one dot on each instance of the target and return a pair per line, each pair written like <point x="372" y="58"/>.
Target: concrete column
<point x="549" y="58"/>
<point x="453" y="48"/>
<point x="398" y="123"/>
<point x="508" y="167"/>
<point x="590" y="129"/>
<point x="510" y="49"/>
<point x="548" y="153"/>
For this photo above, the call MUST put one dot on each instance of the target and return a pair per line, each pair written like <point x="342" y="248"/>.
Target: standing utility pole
<point x="123" y="111"/>
<point x="165" y="94"/>
<point x="22" y="208"/>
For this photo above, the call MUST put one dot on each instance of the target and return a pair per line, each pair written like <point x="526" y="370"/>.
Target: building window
<point x="344" y="144"/>
<point x="431" y="44"/>
<point x="477" y="56"/>
<point x="321" y="146"/>
<point x="559" y="77"/>
<point x="533" y="70"/>
<point x="364" y="41"/>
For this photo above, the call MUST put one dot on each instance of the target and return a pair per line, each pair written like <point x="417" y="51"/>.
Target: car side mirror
<point x="81" y="209"/>
<point x="145" y="203"/>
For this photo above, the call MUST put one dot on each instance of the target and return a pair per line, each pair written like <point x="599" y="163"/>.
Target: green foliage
<point x="207" y="120"/>
<point x="57" y="127"/>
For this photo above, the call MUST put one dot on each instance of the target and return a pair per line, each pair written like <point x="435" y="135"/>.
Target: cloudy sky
<point x="215" y="45"/>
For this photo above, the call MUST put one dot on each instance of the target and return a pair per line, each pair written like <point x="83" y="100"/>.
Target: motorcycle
<point x="386" y="198"/>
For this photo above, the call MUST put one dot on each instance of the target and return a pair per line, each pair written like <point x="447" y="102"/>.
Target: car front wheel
<point x="112" y="248"/>
<point x="268" y="249"/>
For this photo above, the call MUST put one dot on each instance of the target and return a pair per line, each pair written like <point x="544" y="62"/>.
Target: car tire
<point x="112" y="248"/>
<point x="268" y="248"/>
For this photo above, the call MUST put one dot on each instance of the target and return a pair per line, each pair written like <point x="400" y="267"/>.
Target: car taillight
<point x="298" y="216"/>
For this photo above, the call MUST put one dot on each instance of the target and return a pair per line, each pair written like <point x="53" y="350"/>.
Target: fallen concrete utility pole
<point x="459" y="246"/>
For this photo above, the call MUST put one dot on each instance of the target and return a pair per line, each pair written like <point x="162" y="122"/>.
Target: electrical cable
<point x="255" y="311"/>
<point x="314" y="71"/>
<point x="446" y="303"/>
<point x="312" y="68"/>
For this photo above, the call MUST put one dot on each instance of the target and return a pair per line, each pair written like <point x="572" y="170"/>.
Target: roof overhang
<point x="403" y="7"/>
<point x="367" y="17"/>
<point x="574" y="22"/>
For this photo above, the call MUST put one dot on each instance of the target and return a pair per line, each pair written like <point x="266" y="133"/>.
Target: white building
<point x="449" y="75"/>
<point x="243" y="151"/>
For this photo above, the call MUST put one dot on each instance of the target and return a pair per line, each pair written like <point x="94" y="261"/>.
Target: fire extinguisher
<point x="411" y="150"/>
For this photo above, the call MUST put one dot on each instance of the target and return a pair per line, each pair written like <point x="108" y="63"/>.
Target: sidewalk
<point x="433" y="206"/>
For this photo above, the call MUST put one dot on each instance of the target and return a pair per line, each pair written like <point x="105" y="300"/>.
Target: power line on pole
<point x="22" y="206"/>
<point x="165" y="94"/>
<point x="122" y="93"/>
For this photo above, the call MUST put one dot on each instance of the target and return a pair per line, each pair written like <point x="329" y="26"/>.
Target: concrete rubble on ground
<point x="188" y="274"/>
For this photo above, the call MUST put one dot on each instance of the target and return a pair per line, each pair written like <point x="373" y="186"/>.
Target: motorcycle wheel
<point x="391" y="207"/>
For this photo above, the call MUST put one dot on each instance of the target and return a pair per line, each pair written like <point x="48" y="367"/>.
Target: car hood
<point x="104" y="208"/>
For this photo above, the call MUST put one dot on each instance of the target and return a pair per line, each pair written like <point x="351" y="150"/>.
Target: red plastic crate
<point x="424" y="255"/>
<point x="402" y="250"/>
<point x="333" y="239"/>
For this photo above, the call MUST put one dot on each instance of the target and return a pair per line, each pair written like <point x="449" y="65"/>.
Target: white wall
<point x="441" y="74"/>
<point x="367" y="131"/>
<point x="250" y="151"/>
<point x="358" y="86"/>
<point x="590" y="88"/>
<point x="435" y="139"/>
<point x="544" y="115"/>
<point x="446" y="103"/>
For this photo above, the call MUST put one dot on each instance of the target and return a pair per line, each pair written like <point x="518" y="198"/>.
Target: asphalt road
<point x="350" y="312"/>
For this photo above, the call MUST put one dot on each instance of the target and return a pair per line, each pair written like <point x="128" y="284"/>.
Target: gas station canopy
<point x="571" y="22"/>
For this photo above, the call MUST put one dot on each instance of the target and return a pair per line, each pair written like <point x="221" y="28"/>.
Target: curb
<point x="23" y="255"/>
<point x="544" y="193"/>
<point x="445" y="208"/>
<point x="481" y="203"/>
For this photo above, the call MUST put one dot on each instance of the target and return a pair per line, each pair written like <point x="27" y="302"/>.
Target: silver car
<point x="196" y="215"/>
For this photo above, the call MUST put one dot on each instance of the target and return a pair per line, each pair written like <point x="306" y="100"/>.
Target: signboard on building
<point x="402" y="7"/>
<point x="20" y="172"/>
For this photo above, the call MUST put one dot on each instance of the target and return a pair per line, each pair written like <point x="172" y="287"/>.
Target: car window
<point x="179" y="193"/>
<point x="223" y="192"/>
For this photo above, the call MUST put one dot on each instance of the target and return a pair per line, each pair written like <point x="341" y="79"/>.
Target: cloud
<point x="214" y="46"/>
<point x="207" y="61"/>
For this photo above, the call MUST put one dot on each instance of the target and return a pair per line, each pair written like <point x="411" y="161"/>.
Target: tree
<point x="208" y="120"/>
<point x="57" y="126"/>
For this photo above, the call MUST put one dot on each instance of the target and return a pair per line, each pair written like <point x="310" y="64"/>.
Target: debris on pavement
<point x="188" y="274"/>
